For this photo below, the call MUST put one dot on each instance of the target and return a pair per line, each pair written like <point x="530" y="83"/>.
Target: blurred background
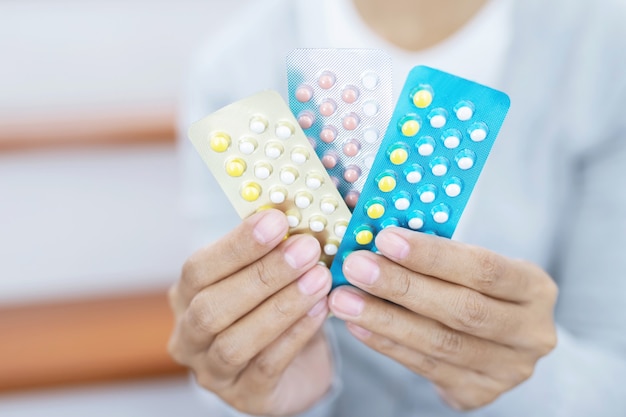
<point x="91" y="231"/>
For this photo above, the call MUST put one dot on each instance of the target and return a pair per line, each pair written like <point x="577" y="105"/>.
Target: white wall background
<point x="94" y="221"/>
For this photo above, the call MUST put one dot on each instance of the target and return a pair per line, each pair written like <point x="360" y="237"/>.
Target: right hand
<point x="248" y="315"/>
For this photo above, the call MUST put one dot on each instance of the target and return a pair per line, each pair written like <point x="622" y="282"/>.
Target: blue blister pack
<point x="342" y="99"/>
<point x="434" y="148"/>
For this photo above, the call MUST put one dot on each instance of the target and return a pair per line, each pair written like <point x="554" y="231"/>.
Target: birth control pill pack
<point x="262" y="159"/>
<point x="342" y="99"/>
<point x="436" y="144"/>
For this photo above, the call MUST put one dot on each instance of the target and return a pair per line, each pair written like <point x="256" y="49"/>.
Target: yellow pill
<point x="251" y="192"/>
<point x="235" y="167"/>
<point x="386" y="184"/>
<point x="375" y="211"/>
<point x="220" y="142"/>
<point x="398" y="156"/>
<point x="422" y="98"/>
<point x="410" y="128"/>
<point x="364" y="237"/>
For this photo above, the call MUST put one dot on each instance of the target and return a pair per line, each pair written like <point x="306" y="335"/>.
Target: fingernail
<point x="358" y="331"/>
<point x="347" y="302"/>
<point x="392" y="245"/>
<point x="318" y="308"/>
<point x="361" y="269"/>
<point x="270" y="227"/>
<point x="313" y="281"/>
<point x="301" y="250"/>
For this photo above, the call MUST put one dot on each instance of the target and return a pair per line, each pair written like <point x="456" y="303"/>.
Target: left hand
<point x="469" y="320"/>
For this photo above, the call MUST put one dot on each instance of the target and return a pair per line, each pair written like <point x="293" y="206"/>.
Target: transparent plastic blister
<point x="262" y="159"/>
<point x="342" y="99"/>
<point x="436" y="144"/>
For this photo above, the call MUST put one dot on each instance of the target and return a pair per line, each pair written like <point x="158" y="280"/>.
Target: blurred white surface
<point x="159" y="398"/>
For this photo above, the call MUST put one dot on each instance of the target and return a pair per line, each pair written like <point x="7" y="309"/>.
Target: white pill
<point x="273" y="152"/>
<point x="258" y="125"/>
<point x="402" y="203"/>
<point x="440" y="217"/>
<point x="262" y="172"/>
<point x="340" y="229"/>
<point x="427" y="197"/>
<point x="287" y="177"/>
<point x="293" y="220"/>
<point x="426" y="149"/>
<point x="416" y="223"/>
<point x="451" y="142"/>
<point x="313" y="183"/>
<point x="414" y="177"/>
<point x="465" y="162"/>
<point x="298" y="158"/>
<point x="464" y="113"/>
<point x="330" y="249"/>
<point x="277" y="197"/>
<point x="370" y="108"/>
<point x="370" y="80"/>
<point x="283" y="131"/>
<point x="317" y="225"/>
<point x="368" y="161"/>
<point x="303" y="201"/>
<point x="478" y="135"/>
<point x="328" y="207"/>
<point x="246" y="148"/>
<point x="453" y="190"/>
<point x="439" y="170"/>
<point x="370" y="135"/>
<point x="438" y="121"/>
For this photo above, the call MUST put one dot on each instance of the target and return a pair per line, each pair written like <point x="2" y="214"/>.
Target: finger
<point x="249" y="241"/>
<point x="217" y="307"/>
<point x="304" y="342"/>
<point x="233" y="348"/>
<point x="459" y="263"/>
<point x="427" y="336"/>
<point x="443" y="374"/>
<point x="456" y="306"/>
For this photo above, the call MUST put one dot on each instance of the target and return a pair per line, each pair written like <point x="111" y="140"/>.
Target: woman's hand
<point x="249" y="311"/>
<point x="471" y="321"/>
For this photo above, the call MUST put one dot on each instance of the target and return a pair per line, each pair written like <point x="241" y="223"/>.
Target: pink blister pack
<point x="342" y="99"/>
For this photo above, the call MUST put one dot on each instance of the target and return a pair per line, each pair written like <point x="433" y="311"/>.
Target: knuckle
<point x="523" y="373"/>
<point x="470" y="310"/>
<point x="426" y="365"/>
<point x="446" y="342"/>
<point x="201" y="317"/>
<point x="190" y="275"/>
<point x="260" y="274"/>
<point x="228" y="352"/>
<point x="280" y="311"/>
<point x="491" y="269"/>
<point x="403" y="285"/>
<point x="266" y="368"/>
<point x="174" y="351"/>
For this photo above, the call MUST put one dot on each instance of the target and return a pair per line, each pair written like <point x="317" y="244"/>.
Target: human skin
<point x="249" y="310"/>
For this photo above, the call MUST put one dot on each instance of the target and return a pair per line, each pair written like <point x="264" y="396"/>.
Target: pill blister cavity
<point x="478" y="132"/>
<point x="250" y="191"/>
<point x="438" y="118"/>
<point x="370" y="108"/>
<point x="326" y="80"/>
<point x="422" y="96"/>
<point x="235" y="167"/>
<point x="328" y="205"/>
<point x="425" y="146"/>
<point x="398" y="153"/>
<point x="327" y="107"/>
<point x="314" y="180"/>
<point x="351" y="198"/>
<point x="390" y="222"/>
<point x="328" y="134"/>
<point x="351" y="147"/>
<point x="350" y="94"/>
<point x="305" y="120"/>
<point x="299" y="155"/>
<point x="329" y="159"/>
<point x="278" y="195"/>
<point x="451" y="138"/>
<point x="439" y="166"/>
<point x="464" y="110"/>
<point x="288" y="175"/>
<point x="370" y="80"/>
<point x="352" y="173"/>
<point x="465" y="159"/>
<point x="273" y="149"/>
<point x="304" y="93"/>
<point x="414" y="174"/>
<point x="386" y="181"/>
<point x="317" y="224"/>
<point x="453" y="187"/>
<point x="262" y="170"/>
<point x="284" y="130"/>
<point x="375" y="208"/>
<point x="440" y="213"/>
<point x="220" y="142"/>
<point x="258" y="124"/>
<point x="340" y="228"/>
<point x="247" y="145"/>
<point x="303" y="199"/>
<point x="350" y="121"/>
<point x="409" y="125"/>
<point x="427" y="193"/>
<point x="363" y="235"/>
<point x="293" y="218"/>
<point x="331" y="247"/>
<point x="402" y="201"/>
<point x="415" y="220"/>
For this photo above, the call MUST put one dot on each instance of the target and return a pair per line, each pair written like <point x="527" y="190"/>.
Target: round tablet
<point x="465" y="159"/>
<point x="340" y="228"/>
<point x="414" y="174"/>
<point x="327" y="107"/>
<point x="304" y="93"/>
<point x="350" y="94"/>
<point x="415" y="220"/>
<point x="370" y="108"/>
<point x="250" y="191"/>
<point x="478" y="132"/>
<point x="278" y="195"/>
<point x="262" y="170"/>
<point x="352" y="173"/>
<point x="314" y="180"/>
<point x="273" y="150"/>
<point x="453" y="187"/>
<point x="305" y="120"/>
<point x="398" y="154"/>
<point x="440" y="213"/>
<point x="258" y="124"/>
<point x="451" y="138"/>
<point x="288" y="175"/>
<point x="328" y="134"/>
<point x="351" y="147"/>
<point x="299" y="155"/>
<point x="364" y="235"/>
<point x="220" y="142"/>
<point x="370" y="135"/>
<point x="293" y="218"/>
<point x="402" y="201"/>
<point x="351" y="198"/>
<point x="326" y="80"/>
<point x="350" y="121"/>
<point x="235" y="167"/>
<point x="247" y="145"/>
<point x="303" y="200"/>
<point x="328" y="205"/>
<point x="386" y="183"/>
<point x="427" y="193"/>
<point x="464" y="110"/>
<point x="284" y="130"/>
<point x="369" y="80"/>
<point x="422" y="98"/>
<point x="331" y="248"/>
<point x="317" y="224"/>
<point x="425" y="146"/>
<point x="375" y="209"/>
<point x="329" y="160"/>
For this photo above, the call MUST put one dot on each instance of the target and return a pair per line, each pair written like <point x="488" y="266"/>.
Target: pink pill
<point x="350" y="121"/>
<point x="329" y="160"/>
<point x="304" y="93"/>
<point x="351" y="173"/>
<point x="327" y="108"/>
<point x="326" y="80"/>
<point x="306" y="119"/>
<point x="352" y="198"/>
<point x="328" y="134"/>
<point x="351" y="147"/>
<point x="350" y="94"/>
